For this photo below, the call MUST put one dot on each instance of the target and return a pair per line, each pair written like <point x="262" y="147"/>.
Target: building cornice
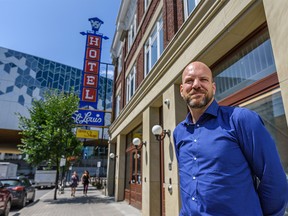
<point x="124" y="18"/>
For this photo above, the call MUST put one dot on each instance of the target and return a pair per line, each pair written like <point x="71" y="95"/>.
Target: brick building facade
<point x="242" y="41"/>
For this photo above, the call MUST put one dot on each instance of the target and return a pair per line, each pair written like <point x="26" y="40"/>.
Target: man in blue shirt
<point x="221" y="150"/>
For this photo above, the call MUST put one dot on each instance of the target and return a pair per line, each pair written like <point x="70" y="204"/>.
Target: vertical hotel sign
<point x="90" y="75"/>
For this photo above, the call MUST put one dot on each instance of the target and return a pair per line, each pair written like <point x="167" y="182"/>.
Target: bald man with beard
<point x="228" y="162"/>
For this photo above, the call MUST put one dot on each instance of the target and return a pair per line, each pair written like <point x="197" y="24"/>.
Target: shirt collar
<point x="211" y="110"/>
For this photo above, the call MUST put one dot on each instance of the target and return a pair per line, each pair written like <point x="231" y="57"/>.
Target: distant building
<point x="244" y="42"/>
<point x="24" y="78"/>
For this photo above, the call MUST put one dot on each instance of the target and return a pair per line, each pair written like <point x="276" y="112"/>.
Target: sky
<point x="51" y="29"/>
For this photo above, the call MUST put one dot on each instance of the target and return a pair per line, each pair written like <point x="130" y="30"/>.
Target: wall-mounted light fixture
<point x="167" y="102"/>
<point x="170" y="188"/>
<point x="112" y="155"/>
<point x="159" y="133"/>
<point x="138" y="143"/>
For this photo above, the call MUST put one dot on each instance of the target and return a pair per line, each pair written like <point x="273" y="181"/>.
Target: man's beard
<point x="196" y="104"/>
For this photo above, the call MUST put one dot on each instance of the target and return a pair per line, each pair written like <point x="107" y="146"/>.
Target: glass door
<point x="133" y="181"/>
<point x="136" y="179"/>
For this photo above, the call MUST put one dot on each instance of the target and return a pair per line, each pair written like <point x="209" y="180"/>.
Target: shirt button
<point x="198" y="125"/>
<point x="193" y="198"/>
<point x="195" y="140"/>
<point x="194" y="158"/>
<point x="194" y="177"/>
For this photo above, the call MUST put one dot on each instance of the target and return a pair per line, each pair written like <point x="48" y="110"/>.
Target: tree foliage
<point x="47" y="134"/>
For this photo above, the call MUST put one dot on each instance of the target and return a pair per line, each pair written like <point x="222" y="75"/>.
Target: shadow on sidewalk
<point x="93" y="196"/>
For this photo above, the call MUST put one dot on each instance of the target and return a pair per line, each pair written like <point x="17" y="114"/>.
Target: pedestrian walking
<point x="228" y="162"/>
<point x="85" y="181"/>
<point x="74" y="183"/>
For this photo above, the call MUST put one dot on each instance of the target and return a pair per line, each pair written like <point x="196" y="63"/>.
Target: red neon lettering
<point x="93" y="54"/>
<point x="90" y="80"/>
<point x="89" y="94"/>
<point x="94" y="41"/>
<point x="91" y="67"/>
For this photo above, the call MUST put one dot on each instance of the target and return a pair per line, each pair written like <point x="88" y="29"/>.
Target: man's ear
<point x="181" y="89"/>
<point x="214" y="88"/>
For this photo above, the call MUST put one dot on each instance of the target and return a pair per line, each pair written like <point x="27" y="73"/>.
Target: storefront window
<point x="136" y="168"/>
<point x="134" y="174"/>
<point x="248" y="64"/>
<point x="251" y="62"/>
<point x="270" y="108"/>
<point x="139" y="173"/>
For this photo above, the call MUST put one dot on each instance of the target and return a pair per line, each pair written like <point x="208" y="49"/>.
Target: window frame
<point x="155" y="36"/>
<point x="130" y="84"/>
<point x="117" y="104"/>
<point x="146" y="4"/>
<point x="119" y="62"/>
<point x="261" y="85"/>
<point x="132" y="31"/>
<point x="186" y="8"/>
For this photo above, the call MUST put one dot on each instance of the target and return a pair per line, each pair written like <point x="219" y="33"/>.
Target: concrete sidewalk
<point x="95" y="203"/>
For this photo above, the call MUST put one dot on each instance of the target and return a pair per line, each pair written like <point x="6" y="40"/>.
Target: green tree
<point x="47" y="134"/>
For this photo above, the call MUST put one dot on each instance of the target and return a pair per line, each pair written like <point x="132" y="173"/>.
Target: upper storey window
<point x="146" y="4"/>
<point x="130" y="84"/>
<point x="132" y="31"/>
<point x="154" y="45"/>
<point x="189" y="6"/>
<point x="119" y="68"/>
<point x="117" y="106"/>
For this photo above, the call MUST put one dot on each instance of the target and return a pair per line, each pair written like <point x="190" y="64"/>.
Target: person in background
<point x="74" y="183"/>
<point x="85" y="181"/>
<point x="228" y="162"/>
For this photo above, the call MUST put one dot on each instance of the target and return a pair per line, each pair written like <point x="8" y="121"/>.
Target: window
<point x="130" y="84"/>
<point x="154" y="46"/>
<point x="102" y="150"/>
<point x="119" y="68"/>
<point x="146" y="4"/>
<point x="117" y="106"/>
<point x="252" y="65"/>
<point x="189" y="6"/>
<point x="271" y="109"/>
<point x="132" y="31"/>
<point x="251" y="62"/>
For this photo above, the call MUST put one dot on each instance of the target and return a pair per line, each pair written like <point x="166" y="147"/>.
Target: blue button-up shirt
<point x="217" y="159"/>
